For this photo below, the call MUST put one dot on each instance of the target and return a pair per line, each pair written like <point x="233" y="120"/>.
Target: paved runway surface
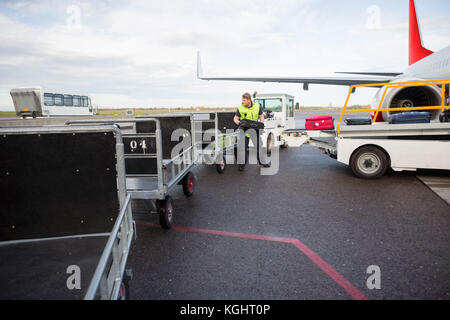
<point x="438" y="182"/>
<point x="348" y="224"/>
<point x="309" y="232"/>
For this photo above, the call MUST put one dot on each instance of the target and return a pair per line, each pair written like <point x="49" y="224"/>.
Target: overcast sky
<point x="143" y="53"/>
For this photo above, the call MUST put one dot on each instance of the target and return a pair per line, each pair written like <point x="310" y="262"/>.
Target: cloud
<point x="143" y="52"/>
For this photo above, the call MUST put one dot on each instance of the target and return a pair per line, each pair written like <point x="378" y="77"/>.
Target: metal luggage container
<point x="215" y="137"/>
<point x="152" y="169"/>
<point x="64" y="206"/>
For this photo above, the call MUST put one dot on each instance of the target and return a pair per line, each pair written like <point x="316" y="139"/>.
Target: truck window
<point x="48" y="99"/>
<point x="289" y="108"/>
<point x="90" y="104"/>
<point x="275" y="105"/>
<point x="59" y="100"/>
<point x="261" y="103"/>
<point x="76" y="101"/>
<point x="84" y="100"/>
<point x="68" y="100"/>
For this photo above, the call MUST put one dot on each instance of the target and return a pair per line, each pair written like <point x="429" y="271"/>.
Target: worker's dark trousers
<point x="258" y="144"/>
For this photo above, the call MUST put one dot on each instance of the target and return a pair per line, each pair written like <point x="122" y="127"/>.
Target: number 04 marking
<point x="134" y="144"/>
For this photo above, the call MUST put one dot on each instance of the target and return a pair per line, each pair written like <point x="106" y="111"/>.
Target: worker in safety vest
<point x="251" y="111"/>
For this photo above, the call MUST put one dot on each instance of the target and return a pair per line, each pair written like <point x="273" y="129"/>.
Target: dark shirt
<point x="238" y="114"/>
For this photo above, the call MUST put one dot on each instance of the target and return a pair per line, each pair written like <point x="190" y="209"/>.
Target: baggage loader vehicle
<point x="417" y="142"/>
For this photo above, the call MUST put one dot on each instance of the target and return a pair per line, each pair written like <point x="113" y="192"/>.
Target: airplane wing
<point x="342" y="81"/>
<point x="382" y="74"/>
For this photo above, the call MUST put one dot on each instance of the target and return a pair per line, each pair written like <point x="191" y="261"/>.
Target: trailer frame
<point x="109" y="276"/>
<point x="225" y="138"/>
<point x="370" y="149"/>
<point x="169" y="172"/>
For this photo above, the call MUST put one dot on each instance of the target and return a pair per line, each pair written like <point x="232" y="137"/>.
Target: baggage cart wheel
<point x="221" y="166"/>
<point x="166" y="213"/>
<point x="189" y="184"/>
<point x="369" y="163"/>
<point x="124" y="291"/>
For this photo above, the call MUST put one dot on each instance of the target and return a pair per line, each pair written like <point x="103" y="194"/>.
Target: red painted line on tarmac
<point x="330" y="271"/>
<point x="314" y="257"/>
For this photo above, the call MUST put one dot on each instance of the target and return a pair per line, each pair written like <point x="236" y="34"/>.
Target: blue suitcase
<point x="410" y="117"/>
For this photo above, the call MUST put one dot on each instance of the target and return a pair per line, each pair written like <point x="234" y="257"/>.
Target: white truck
<point x="37" y="102"/>
<point x="372" y="148"/>
<point x="279" y="116"/>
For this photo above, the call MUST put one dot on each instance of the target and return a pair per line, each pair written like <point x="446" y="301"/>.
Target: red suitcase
<point x="319" y="123"/>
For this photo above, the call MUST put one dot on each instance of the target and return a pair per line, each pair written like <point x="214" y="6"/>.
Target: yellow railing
<point x="390" y="85"/>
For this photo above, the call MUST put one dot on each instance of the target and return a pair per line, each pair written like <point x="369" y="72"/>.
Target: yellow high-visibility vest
<point x="251" y="113"/>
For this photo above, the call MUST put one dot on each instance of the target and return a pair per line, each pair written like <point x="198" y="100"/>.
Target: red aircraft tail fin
<point x="416" y="50"/>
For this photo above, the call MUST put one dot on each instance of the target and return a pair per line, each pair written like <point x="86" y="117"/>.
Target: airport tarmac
<point x="309" y="232"/>
<point x="439" y="182"/>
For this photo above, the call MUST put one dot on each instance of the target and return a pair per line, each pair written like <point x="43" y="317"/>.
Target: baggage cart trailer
<point x="66" y="224"/>
<point x="215" y="137"/>
<point x="152" y="171"/>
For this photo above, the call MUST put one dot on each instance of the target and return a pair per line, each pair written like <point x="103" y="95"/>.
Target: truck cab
<point x="278" y="111"/>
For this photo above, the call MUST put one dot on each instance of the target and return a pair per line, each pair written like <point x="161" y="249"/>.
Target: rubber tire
<point x="189" y="188"/>
<point x="221" y="166"/>
<point x="125" y="286"/>
<point x="369" y="149"/>
<point x="166" y="213"/>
